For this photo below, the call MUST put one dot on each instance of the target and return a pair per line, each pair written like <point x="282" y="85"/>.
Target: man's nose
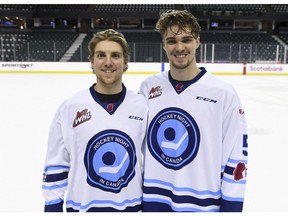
<point x="108" y="61"/>
<point x="179" y="46"/>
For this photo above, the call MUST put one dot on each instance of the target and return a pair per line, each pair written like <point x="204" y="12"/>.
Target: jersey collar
<point x="109" y="107"/>
<point x="180" y="86"/>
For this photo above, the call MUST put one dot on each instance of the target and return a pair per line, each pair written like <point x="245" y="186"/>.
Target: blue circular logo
<point x="173" y="138"/>
<point x="110" y="160"/>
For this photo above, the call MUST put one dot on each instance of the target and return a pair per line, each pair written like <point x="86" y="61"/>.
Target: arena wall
<point x="141" y="68"/>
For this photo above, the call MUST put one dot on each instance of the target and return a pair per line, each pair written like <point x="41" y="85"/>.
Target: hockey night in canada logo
<point x="173" y="138"/>
<point x="110" y="160"/>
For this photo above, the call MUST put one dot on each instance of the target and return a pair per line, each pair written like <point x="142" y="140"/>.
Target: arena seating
<point x="133" y="7"/>
<point x="144" y="46"/>
<point x="284" y="36"/>
<point x="230" y="45"/>
<point x="17" y="7"/>
<point x="43" y="7"/>
<point x="280" y="8"/>
<point x="61" y="7"/>
<point x="241" y="46"/>
<point x="11" y="43"/>
<point x="50" y="46"/>
<point x="82" y="53"/>
<point x="227" y="9"/>
<point x="36" y="46"/>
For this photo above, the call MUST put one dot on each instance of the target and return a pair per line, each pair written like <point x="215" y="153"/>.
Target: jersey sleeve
<point x="142" y="89"/>
<point x="234" y="159"/>
<point x="56" y="168"/>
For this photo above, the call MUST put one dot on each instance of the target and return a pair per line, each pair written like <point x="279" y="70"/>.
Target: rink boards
<point x="140" y="68"/>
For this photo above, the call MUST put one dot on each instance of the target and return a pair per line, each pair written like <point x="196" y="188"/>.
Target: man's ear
<point x="164" y="47"/>
<point x="92" y="67"/>
<point x="198" y="42"/>
<point x="125" y="67"/>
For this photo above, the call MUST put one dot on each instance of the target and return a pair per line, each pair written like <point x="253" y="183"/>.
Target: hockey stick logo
<point x="113" y="170"/>
<point x="172" y="145"/>
<point x="173" y="138"/>
<point x="110" y="159"/>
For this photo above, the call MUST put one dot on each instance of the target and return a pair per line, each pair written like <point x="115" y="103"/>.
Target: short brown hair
<point x="181" y="18"/>
<point x="110" y="35"/>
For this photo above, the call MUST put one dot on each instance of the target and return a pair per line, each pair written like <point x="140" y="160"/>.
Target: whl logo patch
<point x="81" y="117"/>
<point x="155" y="92"/>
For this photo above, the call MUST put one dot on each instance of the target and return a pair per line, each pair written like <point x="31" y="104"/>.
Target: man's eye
<point x="100" y="55"/>
<point x="116" y="55"/>
<point x="188" y="40"/>
<point x="171" y="41"/>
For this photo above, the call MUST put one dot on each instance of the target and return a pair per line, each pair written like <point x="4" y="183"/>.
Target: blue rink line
<point x="162" y="67"/>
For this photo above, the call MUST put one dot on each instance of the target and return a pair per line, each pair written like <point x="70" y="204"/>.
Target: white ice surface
<point x="28" y="103"/>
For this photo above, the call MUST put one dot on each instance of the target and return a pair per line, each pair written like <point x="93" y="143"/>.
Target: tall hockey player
<point x="196" y="158"/>
<point x="96" y="138"/>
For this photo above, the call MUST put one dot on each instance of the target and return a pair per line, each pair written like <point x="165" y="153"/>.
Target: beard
<point x="180" y="66"/>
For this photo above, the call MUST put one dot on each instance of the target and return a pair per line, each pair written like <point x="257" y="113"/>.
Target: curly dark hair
<point x="181" y="18"/>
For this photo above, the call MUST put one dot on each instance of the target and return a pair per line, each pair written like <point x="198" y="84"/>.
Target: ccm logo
<point x="136" y="118"/>
<point x="206" y="99"/>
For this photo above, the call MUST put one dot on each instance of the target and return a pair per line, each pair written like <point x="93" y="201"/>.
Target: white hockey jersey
<point x="95" y="152"/>
<point x="196" y="157"/>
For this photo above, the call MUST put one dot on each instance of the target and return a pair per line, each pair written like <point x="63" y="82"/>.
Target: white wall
<point x="140" y="68"/>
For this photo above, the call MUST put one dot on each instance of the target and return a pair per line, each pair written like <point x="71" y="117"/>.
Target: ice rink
<point x="28" y="103"/>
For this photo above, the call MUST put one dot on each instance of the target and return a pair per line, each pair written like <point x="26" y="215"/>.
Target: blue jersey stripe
<point x="203" y="202"/>
<point x="52" y="202"/>
<point x="236" y="161"/>
<point x="53" y="187"/>
<point x="183" y="189"/>
<point x="119" y="204"/>
<point x="56" y="177"/>
<point x="49" y="168"/>
<point x="234" y="181"/>
<point x="135" y="208"/>
<point x="157" y="203"/>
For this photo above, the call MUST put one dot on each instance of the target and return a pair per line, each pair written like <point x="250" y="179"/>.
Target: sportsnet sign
<point x="45" y="67"/>
<point x="16" y="66"/>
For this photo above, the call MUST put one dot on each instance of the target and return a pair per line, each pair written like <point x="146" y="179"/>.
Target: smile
<point x="108" y="71"/>
<point x="180" y="56"/>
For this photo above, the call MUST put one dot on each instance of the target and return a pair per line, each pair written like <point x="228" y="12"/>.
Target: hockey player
<point x="196" y="158"/>
<point x="95" y="140"/>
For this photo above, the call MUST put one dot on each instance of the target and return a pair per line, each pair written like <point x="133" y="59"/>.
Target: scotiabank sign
<point x="267" y="69"/>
